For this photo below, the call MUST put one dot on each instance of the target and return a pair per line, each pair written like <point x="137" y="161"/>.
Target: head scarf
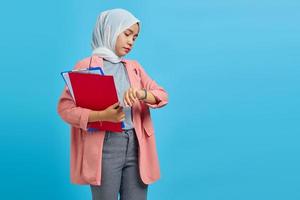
<point x="109" y="25"/>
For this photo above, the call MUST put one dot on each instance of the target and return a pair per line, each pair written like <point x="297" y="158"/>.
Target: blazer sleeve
<point x="69" y="112"/>
<point x="150" y="85"/>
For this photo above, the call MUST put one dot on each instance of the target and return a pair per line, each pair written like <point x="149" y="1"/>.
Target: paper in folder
<point x="90" y="70"/>
<point x="96" y="92"/>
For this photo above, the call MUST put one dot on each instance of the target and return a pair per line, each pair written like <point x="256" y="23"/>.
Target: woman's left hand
<point x="132" y="95"/>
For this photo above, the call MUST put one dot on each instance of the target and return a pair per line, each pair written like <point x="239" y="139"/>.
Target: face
<point x="126" y="40"/>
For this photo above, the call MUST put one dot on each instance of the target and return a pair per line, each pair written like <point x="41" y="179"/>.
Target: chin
<point x="121" y="54"/>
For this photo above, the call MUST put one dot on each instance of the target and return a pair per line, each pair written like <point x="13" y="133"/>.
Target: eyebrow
<point x="132" y="31"/>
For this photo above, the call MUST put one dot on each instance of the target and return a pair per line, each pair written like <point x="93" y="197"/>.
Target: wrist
<point x="101" y="115"/>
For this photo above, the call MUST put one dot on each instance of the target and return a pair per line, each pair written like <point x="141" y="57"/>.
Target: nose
<point x="130" y="41"/>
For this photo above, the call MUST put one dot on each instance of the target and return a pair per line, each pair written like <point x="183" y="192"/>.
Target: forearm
<point x="97" y="116"/>
<point x="70" y="113"/>
<point x="150" y="98"/>
<point x="156" y="98"/>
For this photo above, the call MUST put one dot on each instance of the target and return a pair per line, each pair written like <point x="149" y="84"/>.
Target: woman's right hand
<point x="114" y="113"/>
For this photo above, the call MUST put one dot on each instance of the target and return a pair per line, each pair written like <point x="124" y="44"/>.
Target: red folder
<point x="95" y="92"/>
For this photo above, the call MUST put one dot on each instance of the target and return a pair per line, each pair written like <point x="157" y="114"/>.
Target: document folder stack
<point x="91" y="89"/>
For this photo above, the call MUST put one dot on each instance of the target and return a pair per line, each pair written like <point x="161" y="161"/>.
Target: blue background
<point x="231" y="68"/>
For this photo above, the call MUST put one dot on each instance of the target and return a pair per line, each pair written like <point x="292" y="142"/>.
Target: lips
<point x="127" y="49"/>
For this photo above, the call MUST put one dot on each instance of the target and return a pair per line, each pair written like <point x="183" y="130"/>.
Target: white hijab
<point x="109" y="25"/>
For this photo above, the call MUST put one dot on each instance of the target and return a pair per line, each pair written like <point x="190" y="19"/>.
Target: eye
<point x="127" y="34"/>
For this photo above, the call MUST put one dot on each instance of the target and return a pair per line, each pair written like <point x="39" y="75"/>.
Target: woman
<point x="116" y="163"/>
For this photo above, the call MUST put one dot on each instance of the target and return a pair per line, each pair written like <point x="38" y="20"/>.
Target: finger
<point x="128" y="99"/>
<point x="125" y="97"/>
<point x="134" y="93"/>
<point x="132" y="99"/>
<point x="122" y="117"/>
<point x="125" y="104"/>
<point x="124" y="100"/>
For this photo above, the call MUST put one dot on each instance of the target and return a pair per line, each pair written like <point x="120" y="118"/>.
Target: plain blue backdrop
<point x="232" y="71"/>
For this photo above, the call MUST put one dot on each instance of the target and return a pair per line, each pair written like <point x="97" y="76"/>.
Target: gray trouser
<point x="120" y="171"/>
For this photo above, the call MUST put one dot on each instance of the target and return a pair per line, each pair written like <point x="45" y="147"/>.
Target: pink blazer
<point x="86" y="148"/>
